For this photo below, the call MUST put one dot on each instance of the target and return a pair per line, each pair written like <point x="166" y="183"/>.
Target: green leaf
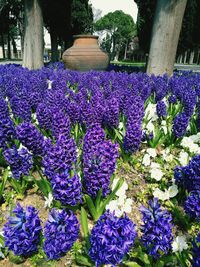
<point x="4" y="180"/>
<point x="84" y="225"/>
<point x="132" y="264"/>
<point x="98" y="198"/>
<point x="44" y="186"/>
<point x="91" y="207"/>
<point x="83" y="260"/>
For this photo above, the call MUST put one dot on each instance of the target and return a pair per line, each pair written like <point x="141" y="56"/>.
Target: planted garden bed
<point x="99" y="168"/>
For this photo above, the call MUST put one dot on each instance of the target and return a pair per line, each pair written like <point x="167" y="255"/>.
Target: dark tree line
<point x="62" y="18"/>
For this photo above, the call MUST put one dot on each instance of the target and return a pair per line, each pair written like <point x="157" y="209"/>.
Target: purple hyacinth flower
<point x="67" y="189"/>
<point x="31" y="138"/>
<point x="156" y="229"/>
<point x="192" y="205"/>
<point x="196" y="252"/>
<point x="98" y="166"/>
<point x="22" y="231"/>
<point x="60" y="232"/>
<point x="20" y="161"/>
<point x="111" y="238"/>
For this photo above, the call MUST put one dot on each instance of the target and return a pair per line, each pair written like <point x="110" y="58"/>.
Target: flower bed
<point x="99" y="168"/>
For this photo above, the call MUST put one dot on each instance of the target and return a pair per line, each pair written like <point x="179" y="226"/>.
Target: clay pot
<point x="85" y="54"/>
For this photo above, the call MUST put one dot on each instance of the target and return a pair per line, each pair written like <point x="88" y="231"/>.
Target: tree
<point x="10" y="18"/>
<point x="165" y="35"/>
<point x="57" y="20"/>
<point x="81" y="17"/>
<point x="65" y="18"/>
<point x="33" y="38"/>
<point x="120" y="27"/>
<point x="189" y="36"/>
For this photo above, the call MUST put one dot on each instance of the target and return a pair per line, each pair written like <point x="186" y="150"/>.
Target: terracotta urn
<point x="85" y="54"/>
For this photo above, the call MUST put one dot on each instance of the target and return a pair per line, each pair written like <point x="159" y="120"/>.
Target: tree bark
<point x="54" y="46"/>
<point x="125" y="51"/>
<point x="165" y="34"/>
<point x="191" y="57"/>
<point x="8" y="46"/>
<point x="185" y="58"/>
<point x="33" y="38"/>
<point x="3" y="45"/>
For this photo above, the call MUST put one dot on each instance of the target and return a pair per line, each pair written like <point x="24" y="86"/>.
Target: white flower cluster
<point x="179" y="244"/>
<point x="191" y="143"/>
<point x="171" y="192"/>
<point x="122" y="203"/>
<point x="151" y="153"/>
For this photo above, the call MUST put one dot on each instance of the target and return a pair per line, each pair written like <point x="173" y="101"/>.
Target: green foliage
<point x="81" y="17"/>
<point x="120" y="29"/>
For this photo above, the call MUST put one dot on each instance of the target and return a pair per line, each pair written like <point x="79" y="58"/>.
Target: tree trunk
<point x="165" y="34"/>
<point x="8" y="45"/>
<point x="33" y="38"/>
<point x="54" y="46"/>
<point x="191" y="57"/>
<point x="125" y="51"/>
<point x="185" y="58"/>
<point x="14" y="48"/>
<point x="3" y="45"/>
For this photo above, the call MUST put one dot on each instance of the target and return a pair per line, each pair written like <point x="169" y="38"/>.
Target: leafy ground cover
<point x="99" y="168"/>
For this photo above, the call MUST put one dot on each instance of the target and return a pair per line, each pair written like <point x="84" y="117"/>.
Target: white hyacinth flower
<point x="120" y="205"/>
<point x="150" y="112"/>
<point x="152" y="152"/>
<point x="179" y="244"/>
<point x="173" y="190"/>
<point x="155" y="165"/>
<point x="156" y="174"/>
<point x="121" y="192"/>
<point x="146" y="160"/>
<point x="161" y="195"/>
<point x="48" y="200"/>
<point x="183" y="158"/>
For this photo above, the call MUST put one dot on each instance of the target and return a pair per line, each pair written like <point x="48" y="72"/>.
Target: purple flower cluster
<point x="22" y="231"/>
<point x="98" y="166"/>
<point x="59" y="157"/>
<point x="20" y="161"/>
<point x="172" y="99"/>
<point x="111" y="238"/>
<point x="60" y="125"/>
<point x="66" y="189"/>
<point x="44" y="116"/>
<point x="20" y="108"/>
<point x="192" y="205"/>
<point x="94" y="135"/>
<point x="161" y="109"/>
<point x="111" y="117"/>
<point x="188" y="176"/>
<point x="31" y="138"/>
<point x="196" y="252"/>
<point x="133" y="134"/>
<point x="60" y="232"/>
<point x="180" y="124"/>
<point x="7" y="132"/>
<point x="4" y="112"/>
<point x="156" y="229"/>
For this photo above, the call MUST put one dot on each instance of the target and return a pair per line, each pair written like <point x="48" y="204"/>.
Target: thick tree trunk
<point x="125" y="51"/>
<point x="14" y="48"/>
<point x="54" y="46"/>
<point x="8" y="45"/>
<point x="3" y="46"/>
<point x="33" y="38"/>
<point x="165" y="35"/>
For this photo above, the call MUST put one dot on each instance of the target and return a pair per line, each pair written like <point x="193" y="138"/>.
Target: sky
<point x="128" y="6"/>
